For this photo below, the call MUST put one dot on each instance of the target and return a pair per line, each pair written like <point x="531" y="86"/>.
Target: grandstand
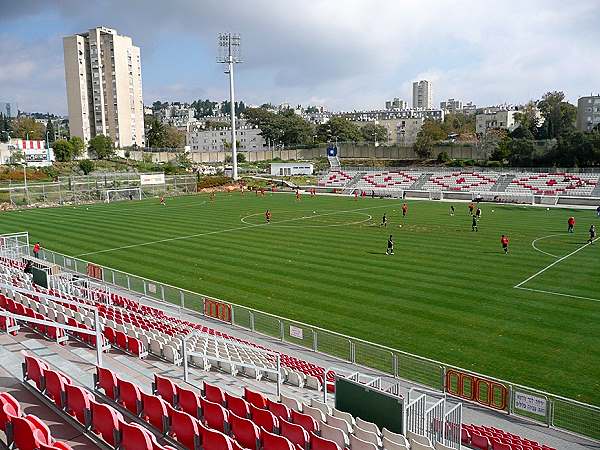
<point x="104" y="371"/>
<point x="519" y="187"/>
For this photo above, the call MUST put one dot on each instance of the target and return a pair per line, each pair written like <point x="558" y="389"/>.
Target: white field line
<point x="539" y="272"/>
<point x="558" y="293"/>
<point x="189" y="236"/>
<point x="541" y="238"/>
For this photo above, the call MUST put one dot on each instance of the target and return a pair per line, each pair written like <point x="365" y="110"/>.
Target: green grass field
<point x="446" y="294"/>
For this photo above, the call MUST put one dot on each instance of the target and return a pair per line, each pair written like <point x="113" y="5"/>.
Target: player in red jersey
<point x="355" y="195"/>
<point x="571" y="225"/>
<point x="404" y="209"/>
<point x="504" y="242"/>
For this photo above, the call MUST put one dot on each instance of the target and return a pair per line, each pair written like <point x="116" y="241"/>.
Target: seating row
<point x="489" y="438"/>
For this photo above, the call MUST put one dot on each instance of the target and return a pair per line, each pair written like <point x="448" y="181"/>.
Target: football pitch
<point x="448" y="293"/>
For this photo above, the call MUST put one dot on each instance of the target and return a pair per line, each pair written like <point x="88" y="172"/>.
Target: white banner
<point x="155" y="178"/>
<point x="296" y="332"/>
<point x="530" y="403"/>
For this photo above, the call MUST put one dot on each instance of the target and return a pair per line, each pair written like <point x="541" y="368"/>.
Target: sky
<point x="342" y="54"/>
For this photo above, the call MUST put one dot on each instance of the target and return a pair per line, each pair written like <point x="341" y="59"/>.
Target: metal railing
<point x="560" y="412"/>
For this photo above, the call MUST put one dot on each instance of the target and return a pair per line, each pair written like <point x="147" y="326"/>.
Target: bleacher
<point x="461" y="181"/>
<point x="336" y="179"/>
<point x="554" y="184"/>
<point x="123" y="414"/>
<point x="387" y="180"/>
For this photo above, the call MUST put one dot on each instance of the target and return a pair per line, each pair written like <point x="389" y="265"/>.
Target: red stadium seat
<point x="254" y="398"/>
<point x="105" y="422"/>
<point x="165" y="388"/>
<point x="9" y="407"/>
<point x="273" y="442"/>
<point x="480" y="442"/>
<point x="295" y="433"/>
<point x="34" y="370"/>
<point x="264" y="418"/>
<point x="121" y="340"/>
<point x="29" y="434"/>
<point x="154" y="411"/>
<point x="55" y="386"/>
<point x="215" y="440"/>
<point x="237" y="405"/>
<point x="305" y="421"/>
<point x="278" y="409"/>
<point x="135" y="346"/>
<point x="109" y="334"/>
<point x="319" y="443"/>
<point x="214" y="394"/>
<point x="78" y="403"/>
<point x="129" y="396"/>
<point x="134" y="437"/>
<point x="184" y="428"/>
<point x="214" y="415"/>
<point x="244" y="431"/>
<point x="56" y="446"/>
<point x="107" y="381"/>
<point x="189" y="401"/>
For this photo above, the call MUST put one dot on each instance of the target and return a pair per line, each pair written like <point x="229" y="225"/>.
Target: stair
<point x="420" y="181"/>
<point x="596" y="191"/>
<point x="350" y="186"/>
<point x="502" y="183"/>
<point x="334" y="162"/>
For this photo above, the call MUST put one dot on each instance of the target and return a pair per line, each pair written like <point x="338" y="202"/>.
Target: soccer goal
<point x="436" y="195"/>
<point x="523" y="198"/>
<point x="549" y="200"/>
<point x="114" y="195"/>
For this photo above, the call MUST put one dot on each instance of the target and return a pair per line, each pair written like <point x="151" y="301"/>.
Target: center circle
<point x="303" y="218"/>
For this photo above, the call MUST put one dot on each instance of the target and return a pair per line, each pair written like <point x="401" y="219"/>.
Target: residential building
<point x="396" y="104"/>
<point x="379" y="115"/>
<point x="496" y="119"/>
<point x="423" y="94"/>
<point x="104" y="86"/>
<point x="451" y="106"/>
<point x="402" y="131"/>
<point x="588" y="113"/>
<point x="219" y="140"/>
<point x="469" y="108"/>
<point x="177" y="115"/>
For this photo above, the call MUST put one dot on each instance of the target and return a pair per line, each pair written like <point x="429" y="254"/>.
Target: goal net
<point x="549" y="200"/>
<point x="504" y="197"/>
<point x="436" y="195"/>
<point x="114" y="195"/>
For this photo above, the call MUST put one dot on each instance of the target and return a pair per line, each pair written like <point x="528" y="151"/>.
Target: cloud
<point x="347" y="54"/>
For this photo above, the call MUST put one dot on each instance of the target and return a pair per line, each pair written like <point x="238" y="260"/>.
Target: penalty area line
<point x="558" y="293"/>
<point x="539" y="272"/>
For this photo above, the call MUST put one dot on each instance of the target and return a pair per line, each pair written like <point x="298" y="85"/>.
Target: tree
<point x="528" y="120"/>
<point x="173" y="138"/>
<point x="86" y="166"/>
<point x="156" y="133"/>
<point x="50" y="132"/>
<point x="241" y="158"/>
<point x="78" y="146"/>
<point x="63" y="150"/>
<point x="340" y="129"/>
<point x="284" y="127"/>
<point x="458" y="123"/>
<point x="522" y="152"/>
<point x="372" y="132"/>
<point x="183" y="160"/>
<point x="559" y="116"/>
<point x="26" y="127"/>
<point x="423" y="146"/>
<point x="16" y="157"/>
<point x="101" y="146"/>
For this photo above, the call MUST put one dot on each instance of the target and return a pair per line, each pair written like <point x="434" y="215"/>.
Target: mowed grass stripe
<point x="446" y="294"/>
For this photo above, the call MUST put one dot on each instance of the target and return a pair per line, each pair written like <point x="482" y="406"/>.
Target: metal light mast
<point x="229" y="53"/>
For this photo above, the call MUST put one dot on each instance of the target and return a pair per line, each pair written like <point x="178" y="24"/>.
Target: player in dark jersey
<point x="268" y="215"/>
<point x="383" y="221"/>
<point x="390" y="246"/>
<point x="474" y="224"/>
<point x="478" y="213"/>
<point x="592" y="234"/>
<point x="451" y="210"/>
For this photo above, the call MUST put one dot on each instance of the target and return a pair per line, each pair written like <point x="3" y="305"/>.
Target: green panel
<point x="40" y="277"/>
<point x="369" y="404"/>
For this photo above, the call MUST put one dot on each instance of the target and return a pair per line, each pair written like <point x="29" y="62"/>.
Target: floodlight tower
<point x="229" y="53"/>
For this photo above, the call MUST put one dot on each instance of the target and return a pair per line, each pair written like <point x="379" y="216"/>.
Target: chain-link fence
<point x="500" y="395"/>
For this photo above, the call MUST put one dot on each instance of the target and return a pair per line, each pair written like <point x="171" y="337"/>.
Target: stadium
<point x="145" y="316"/>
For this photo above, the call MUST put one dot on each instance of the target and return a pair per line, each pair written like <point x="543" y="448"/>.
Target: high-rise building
<point x="422" y="94"/>
<point x="588" y="113"/>
<point x="451" y="105"/>
<point x="396" y="104"/>
<point x="104" y="86"/>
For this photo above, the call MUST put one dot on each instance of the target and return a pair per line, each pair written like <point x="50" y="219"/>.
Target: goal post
<point x="113" y="195"/>
<point x="549" y="200"/>
<point x="436" y="195"/>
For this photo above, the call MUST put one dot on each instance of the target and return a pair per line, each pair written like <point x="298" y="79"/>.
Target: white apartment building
<point x="396" y="103"/>
<point x="503" y="119"/>
<point x="104" y="86"/>
<point x="423" y="94"/>
<point x="179" y="116"/>
<point x="451" y="105"/>
<point x="588" y="113"/>
<point x="201" y="140"/>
